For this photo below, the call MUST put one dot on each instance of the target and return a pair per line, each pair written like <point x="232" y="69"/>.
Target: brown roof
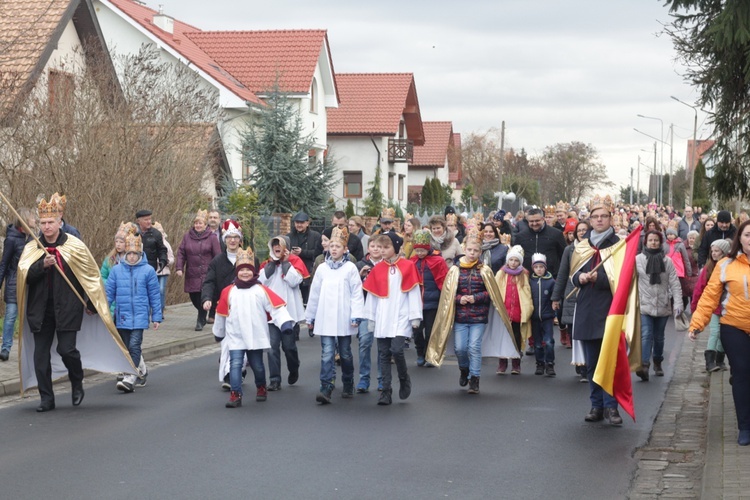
<point x="373" y="103"/>
<point x="702" y="147"/>
<point x="437" y="140"/>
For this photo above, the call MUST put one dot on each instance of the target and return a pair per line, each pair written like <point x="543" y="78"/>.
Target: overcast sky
<point x="555" y="71"/>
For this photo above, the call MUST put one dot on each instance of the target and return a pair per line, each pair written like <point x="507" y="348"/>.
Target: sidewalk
<point x="175" y="335"/>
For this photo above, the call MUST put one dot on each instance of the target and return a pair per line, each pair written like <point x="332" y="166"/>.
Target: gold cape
<point x="98" y="341"/>
<point x="582" y="253"/>
<point x="498" y="332"/>
<point x="527" y="304"/>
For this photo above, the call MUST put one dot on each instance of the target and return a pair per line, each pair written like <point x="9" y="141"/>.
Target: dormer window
<point x="402" y="130"/>
<point x="314" y="96"/>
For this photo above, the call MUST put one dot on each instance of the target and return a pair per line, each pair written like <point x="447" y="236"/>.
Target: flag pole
<point x="597" y="267"/>
<point x="30" y="232"/>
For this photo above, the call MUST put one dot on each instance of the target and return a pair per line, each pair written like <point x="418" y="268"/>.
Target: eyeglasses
<point x="599" y="217"/>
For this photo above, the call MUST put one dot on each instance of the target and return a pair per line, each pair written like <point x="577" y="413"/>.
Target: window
<point x="391" y="176"/>
<point x="402" y="130"/>
<point x="314" y="96"/>
<point x="401" y="187"/>
<point x="353" y="184"/>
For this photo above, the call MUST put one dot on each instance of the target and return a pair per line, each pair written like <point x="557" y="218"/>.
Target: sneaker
<point x="363" y="388"/>
<point x="324" y="396"/>
<point x="420" y="361"/>
<point x="348" y="391"/>
<point x="474" y="385"/>
<point x="235" y="400"/>
<point x="124" y="386"/>
<point x="385" y="398"/>
<point x="262" y="394"/>
<point x="225" y="384"/>
<point x="141" y="381"/>
<point x="515" y="366"/>
<point x="380" y="387"/>
<point x="550" y="371"/>
<point x="463" y="378"/>
<point x="539" y="369"/>
<point x="502" y="366"/>
<point x="275" y="385"/>
<point x="120" y="376"/>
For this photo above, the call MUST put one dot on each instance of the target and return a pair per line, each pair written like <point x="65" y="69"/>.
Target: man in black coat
<point x="541" y="238"/>
<point x="304" y="243"/>
<point x="722" y="230"/>
<point x="354" y="244"/>
<point x="153" y="243"/>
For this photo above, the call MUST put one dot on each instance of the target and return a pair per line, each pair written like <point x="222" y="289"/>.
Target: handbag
<point x="682" y="322"/>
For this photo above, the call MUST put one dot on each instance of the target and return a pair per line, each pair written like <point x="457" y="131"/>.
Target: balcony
<point x="400" y="150"/>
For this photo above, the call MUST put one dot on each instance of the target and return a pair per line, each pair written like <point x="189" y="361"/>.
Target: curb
<point x="713" y="477"/>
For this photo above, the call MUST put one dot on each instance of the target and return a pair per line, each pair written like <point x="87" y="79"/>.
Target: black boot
<point x="720" y="361"/>
<point x="463" y="379"/>
<point x="594" y="415"/>
<point x="657" y="369"/>
<point x="613" y="415"/>
<point x="404" y="389"/>
<point x="324" y="396"/>
<point x="711" y="365"/>
<point x="385" y="397"/>
<point x="643" y="371"/>
<point x="474" y="385"/>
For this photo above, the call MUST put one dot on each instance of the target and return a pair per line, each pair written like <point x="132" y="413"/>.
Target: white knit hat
<point x="517" y="252"/>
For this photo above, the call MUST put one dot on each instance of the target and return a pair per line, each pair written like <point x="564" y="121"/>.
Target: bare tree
<point x="570" y="172"/>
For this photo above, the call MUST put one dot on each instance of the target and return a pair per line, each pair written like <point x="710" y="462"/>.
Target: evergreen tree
<point x="349" y="210"/>
<point x="427" y="198"/>
<point x="285" y="178"/>
<point x="438" y="195"/>
<point x="467" y="193"/>
<point x="700" y="189"/>
<point x="375" y="201"/>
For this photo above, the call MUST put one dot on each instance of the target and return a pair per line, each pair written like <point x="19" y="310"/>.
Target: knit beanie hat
<point x="724" y="216"/>
<point x="722" y="245"/>
<point x="517" y="252"/>
<point x="671" y="230"/>
<point x="570" y="225"/>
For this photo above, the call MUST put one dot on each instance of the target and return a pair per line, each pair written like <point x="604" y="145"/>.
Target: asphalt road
<point x="522" y="436"/>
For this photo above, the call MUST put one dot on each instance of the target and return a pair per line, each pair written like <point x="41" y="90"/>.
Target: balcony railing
<point x="400" y="150"/>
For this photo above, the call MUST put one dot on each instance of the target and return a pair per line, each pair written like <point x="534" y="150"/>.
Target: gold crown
<point x="202" y="214"/>
<point x="133" y="243"/>
<point x="409" y="216"/>
<point x="340" y="234"/>
<point x="125" y="229"/>
<point x="478" y="219"/>
<point x="601" y="202"/>
<point x="52" y="208"/>
<point x="451" y="219"/>
<point x="616" y="220"/>
<point x="245" y="257"/>
<point x="549" y="210"/>
<point x="388" y="213"/>
<point x="61" y="200"/>
<point x="472" y="236"/>
<point x="562" y="206"/>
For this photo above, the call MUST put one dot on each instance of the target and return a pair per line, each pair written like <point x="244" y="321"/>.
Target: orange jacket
<point x="730" y="285"/>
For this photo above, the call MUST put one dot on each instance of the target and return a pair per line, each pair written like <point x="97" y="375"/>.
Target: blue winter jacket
<point x="541" y="295"/>
<point x="134" y="288"/>
<point x="431" y="295"/>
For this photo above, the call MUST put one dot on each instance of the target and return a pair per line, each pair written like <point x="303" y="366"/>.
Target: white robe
<point x="335" y="300"/>
<point x="393" y="315"/>
<point x="286" y="287"/>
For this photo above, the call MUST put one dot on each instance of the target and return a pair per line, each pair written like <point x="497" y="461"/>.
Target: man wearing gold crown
<point x="594" y="301"/>
<point x="66" y="228"/>
<point x="561" y="215"/>
<point x="51" y="309"/>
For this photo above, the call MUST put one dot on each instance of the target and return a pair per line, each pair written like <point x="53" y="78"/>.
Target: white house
<point x="378" y="123"/>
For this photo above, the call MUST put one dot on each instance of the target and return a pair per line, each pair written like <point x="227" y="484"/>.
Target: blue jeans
<point x="237" y="362"/>
<point x="599" y="398"/>
<point x="467" y="340"/>
<point x="9" y="325"/>
<point x="132" y="340"/>
<point x="365" y="357"/>
<point x="544" y="342"/>
<point x="652" y="337"/>
<point x="163" y="290"/>
<point x="327" y="364"/>
<point x="289" y="345"/>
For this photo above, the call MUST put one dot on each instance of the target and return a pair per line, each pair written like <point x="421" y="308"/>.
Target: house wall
<point x="66" y="58"/>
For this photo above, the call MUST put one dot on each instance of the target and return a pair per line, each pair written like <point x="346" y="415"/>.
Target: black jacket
<point x="153" y="247"/>
<point x="548" y="241"/>
<point x="15" y="240"/>
<point x="308" y="242"/>
<point x="712" y="235"/>
<point x="47" y="288"/>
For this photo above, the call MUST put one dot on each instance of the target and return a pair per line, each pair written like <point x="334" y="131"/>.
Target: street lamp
<point x="661" y="155"/>
<point x="695" y="148"/>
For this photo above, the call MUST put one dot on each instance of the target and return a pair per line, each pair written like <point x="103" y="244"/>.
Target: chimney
<point x="164" y="22"/>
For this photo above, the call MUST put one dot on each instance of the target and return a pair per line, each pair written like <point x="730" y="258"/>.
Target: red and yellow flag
<point x="621" y="328"/>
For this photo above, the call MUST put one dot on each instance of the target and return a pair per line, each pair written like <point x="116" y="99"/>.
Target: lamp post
<point x="695" y="148"/>
<point x="661" y="155"/>
<point x="659" y="184"/>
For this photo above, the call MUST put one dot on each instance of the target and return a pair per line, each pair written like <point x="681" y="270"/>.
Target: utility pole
<point x="671" y="152"/>
<point x="631" y="185"/>
<point x="502" y="162"/>
<point x="638" y="182"/>
<point x="656" y="178"/>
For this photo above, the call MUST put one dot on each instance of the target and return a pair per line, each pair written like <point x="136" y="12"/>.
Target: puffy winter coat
<point x="15" y="240"/>
<point x="470" y="283"/>
<point x="655" y="298"/>
<point x="194" y="255"/>
<point x="135" y="289"/>
<point x="541" y="295"/>
<point x="430" y="289"/>
<point x="495" y="257"/>
<point x="680" y="258"/>
<point x="728" y="287"/>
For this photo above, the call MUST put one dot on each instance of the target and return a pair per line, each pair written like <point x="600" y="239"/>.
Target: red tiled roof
<point x="373" y="103"/>
<point x="434" y="151"/>
<point x="182" y="43"/>
<point x="256" y="58"/>
<point x="702" y="146"/>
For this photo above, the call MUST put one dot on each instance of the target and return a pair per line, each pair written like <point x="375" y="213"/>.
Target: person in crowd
<point x="164" y="272"/>
<point x="513" y="283"/>
<point x="542" y="325"/>
<point x="153" y="242"/>
<point x="724" y="229"/>
<point x="133" y="288"/>
<point x="241" y="323"/>
<point x="196" y="251"/>
<point x="357" y="227"/>
<point x="728" y="288"/>
<point x="305" y="244"/>
<point x="432" y="269"/>
<point x="678" y="254"/>
<point x="283" y="273"/>
<point x="707" y="224"/>
<point x="214" y="225"/>
<point x="15" y="240"/>
<point x="500" y="220"/>
<point x="657" y="284"/>
<point x="687" y="223"/>
<point x="66" y="228"/>
<point x="50" y="306"/>
<point x="364" y="335"/>
<point x="387" y="217"/>
<point x="444" y="240"/>
<point x="494" y="246"/>
<point x="354" y="244"/>
<point x="334" y="313"/>
<point x="561" y="215"/>
<point x="459" y="229"/>
<point x="411" y="224"/>
<point x="393" y="307"/>
<point x="690" y="244"/>
<point x="714" y="353"/>
<point x="593" y="303"/>
<point x="541" y="238"/>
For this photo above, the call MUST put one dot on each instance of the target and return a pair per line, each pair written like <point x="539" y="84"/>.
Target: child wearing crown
<point x="133" y="287"/>
<point x="241" y="325"/>
<point x="542" y="321"/>
<point x="335" y="310"/>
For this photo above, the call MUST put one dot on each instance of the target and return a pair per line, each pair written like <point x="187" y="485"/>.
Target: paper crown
<point x="616" y="220"/>
<point x="451" y="219"/>
<point x="472" y="236"/>
<point x="231" y="228"/>
<point x="341" y="235"/>
<point x="159" y="228"/>
<point x="538" y="258"/>
<point x="133" y="243"/>
<point x="388" y="214"/>
<point x="549" y="210"/>
<point x="478" y="219"/>
<point x="562" y="206"/>
<point x="422" y="239"/>
<point x="52" y="208"/>
<point x="202" y="215"/>
<point x="601" y="202"/>
<point x="245" y="258"/>
<point x="125" y="229"/>
<point x="409" y="216"/>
